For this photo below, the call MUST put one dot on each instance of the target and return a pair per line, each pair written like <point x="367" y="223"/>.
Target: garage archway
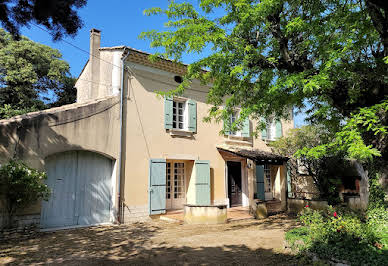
<point x="81" y="185"/>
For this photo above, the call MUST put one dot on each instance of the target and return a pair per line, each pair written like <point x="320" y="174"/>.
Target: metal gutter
<point x="125" y="56"/>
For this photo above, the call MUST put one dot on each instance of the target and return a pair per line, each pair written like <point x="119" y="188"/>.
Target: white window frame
<point x="233" y="117"/>
<point x="271" y="130"/>
<point x="185" y="115"/>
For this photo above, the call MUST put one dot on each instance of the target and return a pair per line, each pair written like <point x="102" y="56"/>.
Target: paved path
<point x="258" y="242"/>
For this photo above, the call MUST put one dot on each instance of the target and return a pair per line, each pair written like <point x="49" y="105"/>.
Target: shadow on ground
<point x="143" y="243"/>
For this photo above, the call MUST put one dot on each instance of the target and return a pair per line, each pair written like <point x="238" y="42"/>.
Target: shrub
<point x="344" y="235"/>
<point x="21" y="186"/>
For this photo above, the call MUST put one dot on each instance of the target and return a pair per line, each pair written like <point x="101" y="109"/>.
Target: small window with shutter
<point x="245" y="129"/>
<point x="180" y="114"/>
<point x="273" y="130"/>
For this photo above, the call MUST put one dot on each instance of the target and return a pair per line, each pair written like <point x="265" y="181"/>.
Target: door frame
<point x="244" y="181"/>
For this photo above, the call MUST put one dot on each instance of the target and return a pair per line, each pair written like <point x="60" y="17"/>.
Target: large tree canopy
<point x="29" y="72"/>
<point x="58" y="16"/>
<point x="271" y="55"/>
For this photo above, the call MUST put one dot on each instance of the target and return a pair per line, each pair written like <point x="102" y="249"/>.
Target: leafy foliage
<point x="7" y="111"/>
<point x="321" y="169"/>
<point x="342" y="234"/>
<point x="21" y="186"/>
<point x="29" y="70"/>
<point x="366" y="123"/>
<point x="269" y="56"/>
<point x="60" y="17"/>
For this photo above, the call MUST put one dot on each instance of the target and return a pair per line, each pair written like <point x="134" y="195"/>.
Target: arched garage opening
<point x="81" y="186"/>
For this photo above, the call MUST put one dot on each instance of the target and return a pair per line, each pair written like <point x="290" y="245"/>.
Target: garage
<point x="81" y="186"/>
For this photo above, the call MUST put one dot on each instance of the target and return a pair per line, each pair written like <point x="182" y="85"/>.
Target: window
<point x="180" y="114"/>
<point x="273" y="130"/>
<point x="179" y="120"/>
<point x="244" y="129"/>
<point x="168" y="180"/>
<point x="267" y="177"/>
<point x="233" y="117"/>
<point x="179" y="180"/>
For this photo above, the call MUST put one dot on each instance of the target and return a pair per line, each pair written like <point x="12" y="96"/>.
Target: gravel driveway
<point x="258" y="242"/>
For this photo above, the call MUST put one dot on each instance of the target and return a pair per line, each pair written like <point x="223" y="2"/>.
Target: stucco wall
<point x="92" y="126"/>
<point x="147" y="138"/>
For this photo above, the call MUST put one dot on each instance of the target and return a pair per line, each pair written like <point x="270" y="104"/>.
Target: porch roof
<point x="254" y="154"/>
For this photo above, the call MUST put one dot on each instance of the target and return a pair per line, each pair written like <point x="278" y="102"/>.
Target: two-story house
<point x="123" y="152"/>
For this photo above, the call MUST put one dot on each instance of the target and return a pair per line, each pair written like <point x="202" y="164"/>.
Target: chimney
<point x="94" y="61"/>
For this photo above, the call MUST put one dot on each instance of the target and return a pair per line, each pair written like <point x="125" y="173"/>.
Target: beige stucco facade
<point x="93" y="124"/>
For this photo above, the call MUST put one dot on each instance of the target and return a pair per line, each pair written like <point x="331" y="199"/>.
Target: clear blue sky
<point x="120" y="22"/>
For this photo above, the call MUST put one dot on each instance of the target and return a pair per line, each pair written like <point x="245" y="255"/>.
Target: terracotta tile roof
<point x="141" y="57"/>
<point x="254" y="154"/>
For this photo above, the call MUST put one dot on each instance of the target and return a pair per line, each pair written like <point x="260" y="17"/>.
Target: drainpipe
<point x="124" y="57"/>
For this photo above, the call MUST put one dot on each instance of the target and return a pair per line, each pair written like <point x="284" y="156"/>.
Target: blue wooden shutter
<point x="260" y="181"/>
<point x="227" y="126"/>
<point x="289" y="182"/>
<point x="192" y="123"/>
<point x="246" y="129"/>
<point x="157" y="186"/>
<point x="264" y="131"/>
<point x="279" y="132"/>
<point x="202" y="182"/>
<point x="168" y="103"/>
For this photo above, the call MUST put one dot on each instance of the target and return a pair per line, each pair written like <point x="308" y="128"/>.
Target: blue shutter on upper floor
<point x="202" y="182"/>
<point x="246" y="130"/>
<point x="192" y="113"/>
<point x="264" y="131"/>
<point x="260" y="182"/>
<point x="168" y="106"/>
<point x="157" y="186"/>
<point x="278" y="127"/>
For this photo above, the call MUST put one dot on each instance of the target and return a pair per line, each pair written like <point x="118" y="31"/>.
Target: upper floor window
<point x="233" y="118"/>
<point x="180" y="114"/>
<point x="243" y="132"/>
<point x="273" y="130"/>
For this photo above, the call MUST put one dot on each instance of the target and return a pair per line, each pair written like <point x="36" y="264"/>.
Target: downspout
<point x="120" y="210"/>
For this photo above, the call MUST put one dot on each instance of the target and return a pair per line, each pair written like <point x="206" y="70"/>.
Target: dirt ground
<point x="258" y="242"/>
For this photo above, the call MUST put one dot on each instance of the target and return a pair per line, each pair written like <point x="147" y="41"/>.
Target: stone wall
<point x="297" y="205"/>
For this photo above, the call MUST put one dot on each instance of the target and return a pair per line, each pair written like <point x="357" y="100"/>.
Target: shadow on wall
<point x="31" y="140"/>
<point x="133" y="245"/>
<point x="23" y="140"/>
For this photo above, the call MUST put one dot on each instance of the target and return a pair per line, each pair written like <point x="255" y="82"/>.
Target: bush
<point x="21" y="186"/>
<point x="344" y="235"/>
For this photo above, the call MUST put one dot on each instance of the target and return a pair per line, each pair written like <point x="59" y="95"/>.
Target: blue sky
<point x="120" y="22"/>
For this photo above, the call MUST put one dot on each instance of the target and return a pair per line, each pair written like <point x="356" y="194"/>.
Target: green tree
<point x="271" y="55"/>
<point x="58" y="16"/>
<point x="21" y="186"/>
<point x="66" y="93"/>
<point x="323" y="170"/>
<point x="29" y="70"/>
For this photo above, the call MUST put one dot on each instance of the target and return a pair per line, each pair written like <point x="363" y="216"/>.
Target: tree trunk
<point x="364" y="185"/>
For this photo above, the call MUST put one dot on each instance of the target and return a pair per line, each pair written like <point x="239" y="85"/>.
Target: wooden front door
<point x="234" y="183"/>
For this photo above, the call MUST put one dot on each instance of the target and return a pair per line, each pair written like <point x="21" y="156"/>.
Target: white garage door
<point x="81" y="185"/>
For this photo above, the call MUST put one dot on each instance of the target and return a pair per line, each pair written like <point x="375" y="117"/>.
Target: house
<point x="123" y="153"/>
